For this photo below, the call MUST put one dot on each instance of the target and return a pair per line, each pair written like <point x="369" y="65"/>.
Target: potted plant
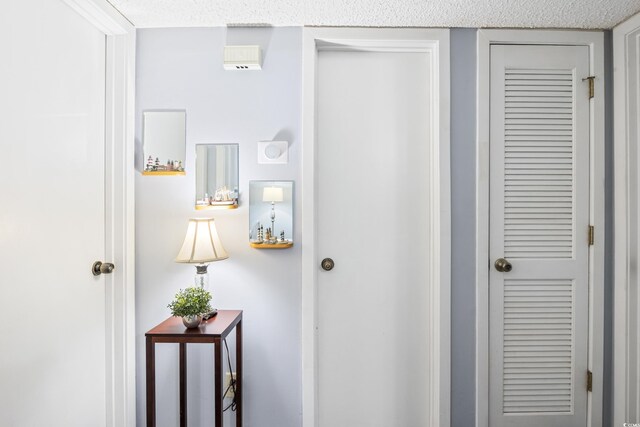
<point x="191" y="304"/>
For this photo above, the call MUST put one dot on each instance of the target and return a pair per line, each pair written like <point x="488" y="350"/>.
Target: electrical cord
<point x="232" y="383"/>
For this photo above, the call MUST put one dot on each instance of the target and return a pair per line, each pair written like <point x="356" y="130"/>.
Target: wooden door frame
<point x="626" y="335"/>
<point x="436" y="43"/>
<point x="119" y="207"/>
<point x="594" y="40"/>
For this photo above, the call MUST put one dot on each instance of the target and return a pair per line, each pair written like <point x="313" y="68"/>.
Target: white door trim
<point x="119" y="207"/>
<point x="626" y="389"/>
<point x="436" y="42"/>
<point x="595" y="41"/>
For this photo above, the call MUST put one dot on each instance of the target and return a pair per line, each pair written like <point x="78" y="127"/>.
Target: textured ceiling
<point x="383" y="13"/>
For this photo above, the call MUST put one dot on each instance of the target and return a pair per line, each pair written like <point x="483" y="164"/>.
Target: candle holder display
<point x="164" y="137"/>
<point x="271" y="214"/>
<point x="217" y="176"/>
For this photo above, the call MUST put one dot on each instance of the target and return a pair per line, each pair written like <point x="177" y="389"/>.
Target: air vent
<point x="242" y="58"/>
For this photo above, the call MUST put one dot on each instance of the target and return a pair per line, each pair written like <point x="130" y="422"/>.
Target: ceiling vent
<point x="242" y="58"/>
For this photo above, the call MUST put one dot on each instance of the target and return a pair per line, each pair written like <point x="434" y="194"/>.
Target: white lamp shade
<point x="273" y="194"/>
<point x="202" y="243"/>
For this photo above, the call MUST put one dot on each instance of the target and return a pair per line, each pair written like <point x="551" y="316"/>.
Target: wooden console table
<point x="212" y="331"/>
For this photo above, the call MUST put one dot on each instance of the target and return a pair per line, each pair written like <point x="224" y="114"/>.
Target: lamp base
<point x="201" y="278"/>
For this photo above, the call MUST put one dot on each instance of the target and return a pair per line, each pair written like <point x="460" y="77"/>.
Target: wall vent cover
<point x="242" y="58"/>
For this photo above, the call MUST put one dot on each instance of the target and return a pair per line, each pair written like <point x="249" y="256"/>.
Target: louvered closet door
<point x="539" y="209"/>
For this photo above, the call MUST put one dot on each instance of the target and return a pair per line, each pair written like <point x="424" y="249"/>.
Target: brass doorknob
<point x="503" y="265"/>
<point x="100" y="267"/>
<point x="327" y="264"/>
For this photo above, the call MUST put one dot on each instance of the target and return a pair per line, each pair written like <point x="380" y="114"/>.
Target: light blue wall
<point x="463" y="184"/>
<point x="181" y="68"/>
<point x="608" y="250"/>
<point x="463" y="226"/>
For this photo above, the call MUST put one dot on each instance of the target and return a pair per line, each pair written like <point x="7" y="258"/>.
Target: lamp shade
<point x="202" y="243"/>
<point x="273" y="194"/>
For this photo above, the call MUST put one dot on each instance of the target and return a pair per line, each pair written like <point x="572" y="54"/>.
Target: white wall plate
<point x="273" y="152"/>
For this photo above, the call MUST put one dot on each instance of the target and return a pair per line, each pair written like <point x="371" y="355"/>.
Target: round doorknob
<point x="100" y="267"/>
<point x="327" y="264"/>
<point x="503" y="265"/>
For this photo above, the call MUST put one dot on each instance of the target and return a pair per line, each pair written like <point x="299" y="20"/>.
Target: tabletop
<point x="219" y="325"/>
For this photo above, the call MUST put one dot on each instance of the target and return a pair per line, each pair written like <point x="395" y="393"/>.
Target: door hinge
<point x="589" y="381"/>
<point x="591" y="80"/>
<point x="592" y="233"/>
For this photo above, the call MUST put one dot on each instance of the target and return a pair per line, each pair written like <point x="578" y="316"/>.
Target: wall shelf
<point x="163" y="173"/>
<point x="212" y="207"/>
<point x="271" y="245"/>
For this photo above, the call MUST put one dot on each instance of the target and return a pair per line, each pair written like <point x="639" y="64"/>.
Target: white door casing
<point x="626" y="321"/>
<point x="593" y="41"/>
<point x="58" y="106"/>
<point x="433" y="44"/>
<point x="539" y="209"/>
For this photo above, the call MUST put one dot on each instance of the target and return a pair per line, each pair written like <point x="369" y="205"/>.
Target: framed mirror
<point x="164" y="142"/>
<point x="271" y="214"/>
<point x="217" y="176"/>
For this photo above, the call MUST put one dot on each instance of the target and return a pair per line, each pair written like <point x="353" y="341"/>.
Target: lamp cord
<point x="232" y="382"/>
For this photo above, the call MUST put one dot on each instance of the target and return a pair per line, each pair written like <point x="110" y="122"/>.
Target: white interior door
<point x="373" y="144"/>
<point x="626" y="363"/>
<point x="539" y="222"/>
<point x="52" y="216"/>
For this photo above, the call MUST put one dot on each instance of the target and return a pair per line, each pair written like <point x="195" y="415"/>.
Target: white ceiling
<point x="384" y="13"/>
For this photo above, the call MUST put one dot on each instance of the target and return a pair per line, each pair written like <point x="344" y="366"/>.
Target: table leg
<point x="239" y="374"/>
<point x="151" y="382"/>
<point x="219" y="404"/>
<point x="183" y="384"/>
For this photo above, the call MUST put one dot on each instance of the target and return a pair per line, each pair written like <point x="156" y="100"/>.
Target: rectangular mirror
<point x="216" y="176"/>
<point x="164" y="142"/>
<point x="271" y="214"/>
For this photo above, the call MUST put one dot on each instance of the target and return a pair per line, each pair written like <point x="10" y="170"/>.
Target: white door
<point x="626" y="323"/>
<point x="539" y="223"/>
<point x="373" y="142"/>
<point x="52" y="213"/>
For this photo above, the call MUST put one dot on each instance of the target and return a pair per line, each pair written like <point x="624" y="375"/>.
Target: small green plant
<point x="191" y="302"/>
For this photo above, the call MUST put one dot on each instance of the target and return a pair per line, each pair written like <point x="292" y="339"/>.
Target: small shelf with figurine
<point x="265" y="240"/>
<point x="222" y="199"/>
<point x="153" y="167"/>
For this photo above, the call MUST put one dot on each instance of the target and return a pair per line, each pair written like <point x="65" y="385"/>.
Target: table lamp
<point x="273" y="195"/>
<point x="201" y="246"/>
